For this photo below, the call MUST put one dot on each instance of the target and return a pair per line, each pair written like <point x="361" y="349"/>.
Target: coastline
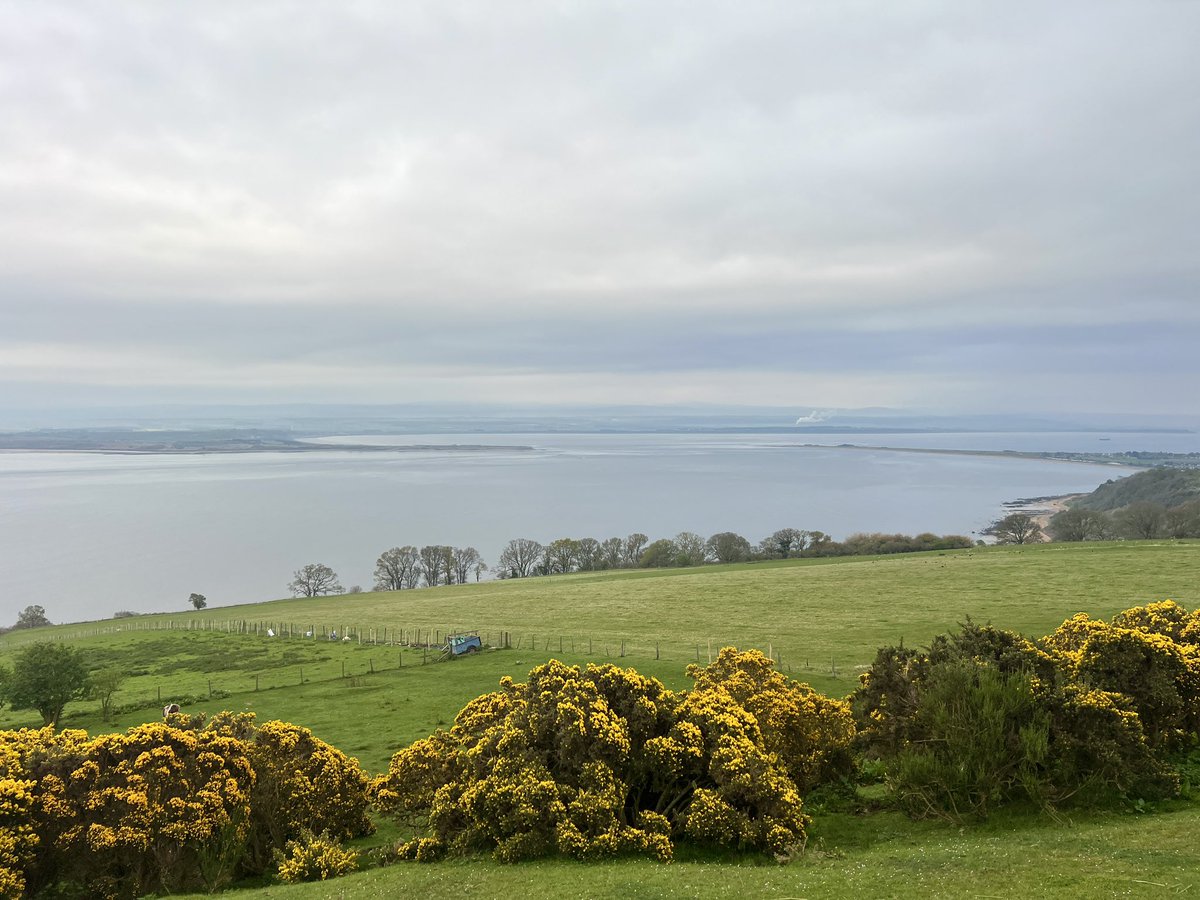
<point x="1042" y="509"/>
<point x="1041" y="456"/>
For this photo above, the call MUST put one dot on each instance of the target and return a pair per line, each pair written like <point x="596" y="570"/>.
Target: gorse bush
<point x="314" y="858"/>
<point x="602" y="761"/>
<point x="1089" y="713"/>
<point x="165" y="807"/>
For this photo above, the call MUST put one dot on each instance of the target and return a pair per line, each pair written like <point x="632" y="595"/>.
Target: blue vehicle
<point x="463" y="644"/>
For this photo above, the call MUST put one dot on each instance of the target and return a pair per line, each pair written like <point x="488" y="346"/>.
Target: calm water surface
<point x="87" y="534"/>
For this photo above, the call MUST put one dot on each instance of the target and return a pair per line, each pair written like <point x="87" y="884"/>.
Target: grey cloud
<point x="862" y="188"/>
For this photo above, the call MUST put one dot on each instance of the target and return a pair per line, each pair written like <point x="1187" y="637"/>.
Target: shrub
<point x="602" y="761"/>
<point x="315" y="858"/>
<point x="986" y="716"/>
<point x="302" y="783"/>
<point x="184" y="805"/>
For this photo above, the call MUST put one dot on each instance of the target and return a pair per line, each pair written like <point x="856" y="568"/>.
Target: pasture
<point x="823" y="619"/>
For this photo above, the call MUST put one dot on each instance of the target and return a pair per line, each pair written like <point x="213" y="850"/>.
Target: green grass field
<point x="823" y="618"/>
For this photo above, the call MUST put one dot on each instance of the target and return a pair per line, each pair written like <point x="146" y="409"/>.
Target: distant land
<point x="94" y="440"/>
<point x="1141" y="459"/>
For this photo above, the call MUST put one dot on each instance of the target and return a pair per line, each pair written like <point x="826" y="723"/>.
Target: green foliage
<point x="983" y="741"/>
<point x="302" y="783"/>
<point x="1079" y="523"/>
<point x="46" y="676"/>
<point x="1167" y="487"/>
<point x="987" y="716"/>
<point x="315" y="858"/>
<point x="602" y="761"/>
<point x="32" y="617"/>
<point x="103" y="686"/>
<point x="1016" y="528"/>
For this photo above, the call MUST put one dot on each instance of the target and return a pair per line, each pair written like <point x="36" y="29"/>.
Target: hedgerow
<point x="599" y="761"/>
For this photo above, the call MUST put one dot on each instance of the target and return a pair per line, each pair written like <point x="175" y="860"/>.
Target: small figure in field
<point x="169" y="710"/>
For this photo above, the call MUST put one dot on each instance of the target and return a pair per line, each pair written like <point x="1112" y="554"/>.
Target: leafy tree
<point x="561" y="556"/>
<point x="690" y="550"/>
<point x="1015" y="528"/>
<point x="397" y="569"/>
<point x="31" y="617"/>
<point x="1080" y="524"/>
<point x="660" y="554"/>
<point x="519" y="557"/>
<point x="1183" y="521"/>
<point x="314" y="580"/>
<point x="729" y="547"/>
<point x="46" y="676"/>
<point x="198" y="600"/>
<point x="786" y="542"/>
<point x="1141" y="520"/>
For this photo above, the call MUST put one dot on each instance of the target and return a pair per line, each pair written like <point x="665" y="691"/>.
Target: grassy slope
<point x="885" y="855"/>
<point x="841" y="608"/>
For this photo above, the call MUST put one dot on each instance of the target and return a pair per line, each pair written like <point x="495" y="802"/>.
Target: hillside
<point x="822" y="618"/>
<point x="1165" y="486"/>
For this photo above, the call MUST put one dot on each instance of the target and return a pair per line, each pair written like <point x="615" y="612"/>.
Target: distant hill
<point x="1170" y="487"/>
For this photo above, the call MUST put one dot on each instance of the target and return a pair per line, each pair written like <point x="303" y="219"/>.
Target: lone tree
<point x="32" y="617"/>
<point x="198" y="600"/>
<point x="314" y="580"/>
<point x="104" y="685"/>
<point x="1016" y="528"/>
<point x="46" y="676"/>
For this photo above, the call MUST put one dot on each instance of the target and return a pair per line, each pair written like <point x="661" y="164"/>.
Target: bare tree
<point x="519" y="558"/>
<point x="465" y="560"/>
<point x="314" y="580"/>
<point x="1016" y="528"/>
<point x="432" y="564"/>
<point x="589" y="555"/>
<point x="631" y="556"/>
<point x="396" y="569"/>
<point x="611" y="551"/>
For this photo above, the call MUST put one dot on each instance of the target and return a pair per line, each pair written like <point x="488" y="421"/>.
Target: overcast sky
<point x="951" y="206"/>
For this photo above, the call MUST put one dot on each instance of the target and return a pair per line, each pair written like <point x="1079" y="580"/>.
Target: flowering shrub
<point x="315" y="858"/>
<point x="302" y="784"/>
<point x="166" y="806"/>
<point x="603" y="761"/>
<point x="1087" y="713"/>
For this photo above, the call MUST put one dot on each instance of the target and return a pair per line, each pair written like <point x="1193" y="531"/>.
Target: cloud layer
<point x="926" y="204"/>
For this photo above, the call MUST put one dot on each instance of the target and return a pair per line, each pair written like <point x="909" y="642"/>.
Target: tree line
<point x="1142" y="520"/>
<point x="524" y="557"/>
<point x="409" y="567"/>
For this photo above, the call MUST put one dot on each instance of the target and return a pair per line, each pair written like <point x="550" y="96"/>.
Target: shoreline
<point x="1039" y="455"/>
<point x="1042" y="509"/>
